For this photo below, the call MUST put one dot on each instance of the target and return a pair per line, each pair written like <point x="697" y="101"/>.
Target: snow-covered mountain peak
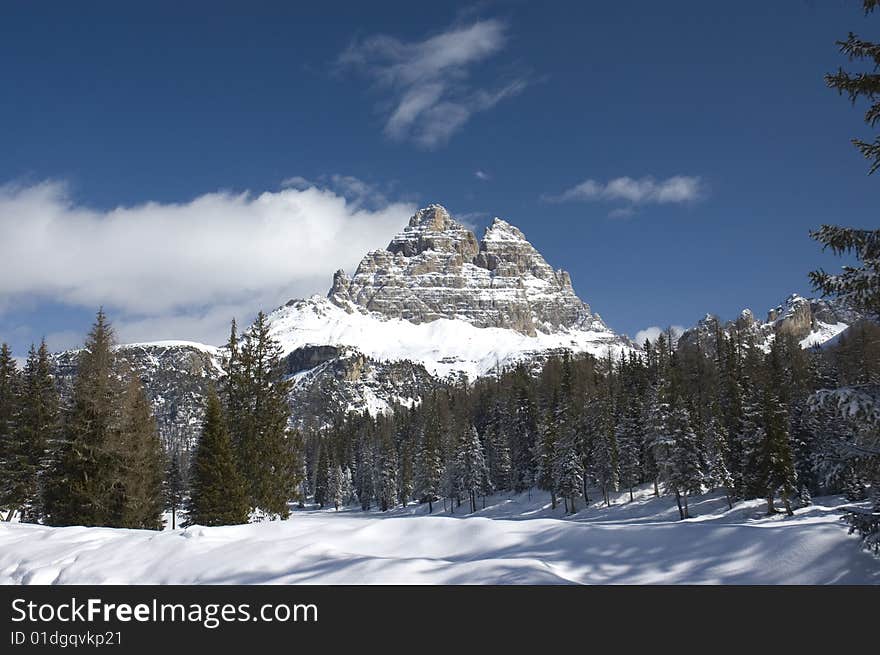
<point x="436" y="268"/>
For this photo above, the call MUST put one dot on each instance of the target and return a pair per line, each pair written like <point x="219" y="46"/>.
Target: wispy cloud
<point x="634" y="192"/>
<point x="432" y="94"/>
<point x="182" y="270"/>
<point x="482" y="175"/>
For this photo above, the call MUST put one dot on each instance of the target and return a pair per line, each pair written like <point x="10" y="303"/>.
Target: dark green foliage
<point x="218" y="494"/>
<point x="255" y="394"/>
<point x="13" y="486"/>
<point x="858" y="286"/>
<point x="109" y="466"/>
<point x="862" y="84"/>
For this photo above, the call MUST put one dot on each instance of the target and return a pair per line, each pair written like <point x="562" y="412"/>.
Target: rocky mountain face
<point x="436" y="268"/>
<point x="175" y="375"/>
<point x="811" y="321"/>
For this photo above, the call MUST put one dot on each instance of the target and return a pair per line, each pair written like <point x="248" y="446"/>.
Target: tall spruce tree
<point x="140" y="462"/>
<point x="83" y="489"/>
<point x="256" y="394"/>
<point x="13" y="458"/>
<point x="218" y="494"/>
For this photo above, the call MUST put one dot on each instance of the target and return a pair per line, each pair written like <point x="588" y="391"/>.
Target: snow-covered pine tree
<point x="630" y="437"/>
<point x="471" y="466"/>
<point x="545" y="455"/>
<point x="428" y="467"/>
<point x="336" y="487"/>
<point x="716" y="455"/>
<point x="386" y="473"/>
<point x="684" y="474"/>
<point x="522" y="426"/>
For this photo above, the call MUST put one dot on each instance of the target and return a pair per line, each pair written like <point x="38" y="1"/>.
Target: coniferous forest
<point x="684" y="417"/>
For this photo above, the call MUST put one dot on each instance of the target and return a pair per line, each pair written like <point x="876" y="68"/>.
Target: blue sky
<point x="181" y="163"/>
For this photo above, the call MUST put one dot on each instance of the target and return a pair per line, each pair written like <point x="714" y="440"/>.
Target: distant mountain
<point x="812" y="321"/>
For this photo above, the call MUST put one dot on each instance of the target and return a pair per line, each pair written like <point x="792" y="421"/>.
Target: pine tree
<point x="386" y="474"/>
<point x="218" y="493"/>
<point x="139" y="461"/>
<point x="717" y="454"/>
<point x="545" y="456"/>
<point x="428" y="467"/>
<point x="471" y="466"/>
<point x="522" y="425"/>
<point x="405" y="474"/>
<point x="13" y="456"/>
<point x="257" y="400"/>
<point x="629" y="446"/>
<point x="336" y="487"/>
<point x="684" y="474"/>
<point x="83" y="489"/>
<point x="859" y="85"/>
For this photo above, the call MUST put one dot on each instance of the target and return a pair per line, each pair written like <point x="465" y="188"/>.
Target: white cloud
<point x="182" y="270"/>
<point x="431" y="95"/>
<point x="482" y="175"/>
<point x="634" y="192"/>
<point x="653" y="333"/>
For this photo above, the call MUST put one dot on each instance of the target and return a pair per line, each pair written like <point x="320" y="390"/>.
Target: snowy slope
<point x="443" y="346"/>
<point x="513" y="540"/>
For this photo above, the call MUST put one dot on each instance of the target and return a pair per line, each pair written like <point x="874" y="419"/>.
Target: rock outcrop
<point x="436" y="268"/>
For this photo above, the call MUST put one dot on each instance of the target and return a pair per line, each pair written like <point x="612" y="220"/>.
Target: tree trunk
<point x="586" y="497"/>
<point x="687" y="513"/>
<point x="173" y="519"/>
<point x="680" y="509"/>
<point x="770" y="508"/>
<point x="656" y="488"/>
<point x="552" y="500"/>
<point x="10" y="515"/>
<point x="565" y="503"/>
<point x="729" y="501"/>
<point x="631" y="494"/>
<point x="787" y="503"/>
<point x="573" y="506"/>
<point x="430" y="506"/>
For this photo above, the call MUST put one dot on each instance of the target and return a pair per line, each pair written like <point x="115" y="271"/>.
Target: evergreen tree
<point x="857" y="85"/>
<point x="139" y="461"/>
<point x="83" y="489"/>
<point x="629" y="446"/>
<point x="257" y="396"/>
<point x="218" y="493"/>
<point x="336" y="487"/>
<point x="386" y="474"/>
<point x="13" y="456"/>
<point x="429" y="467"/>
<point x="717" y="454"/>
<point x="684" y="474"/>
<point x="471" y="466"/>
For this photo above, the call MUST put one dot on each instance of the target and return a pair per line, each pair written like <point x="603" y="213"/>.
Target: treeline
<point x="96" y="459"/>
<point x="687" y="419"/>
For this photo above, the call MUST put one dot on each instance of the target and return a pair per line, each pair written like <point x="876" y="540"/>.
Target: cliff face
<point x="436" y="268"/>
<point x="811" y="321"/>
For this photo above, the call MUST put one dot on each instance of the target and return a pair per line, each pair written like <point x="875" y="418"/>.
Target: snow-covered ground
<point x="513" y="540"/>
